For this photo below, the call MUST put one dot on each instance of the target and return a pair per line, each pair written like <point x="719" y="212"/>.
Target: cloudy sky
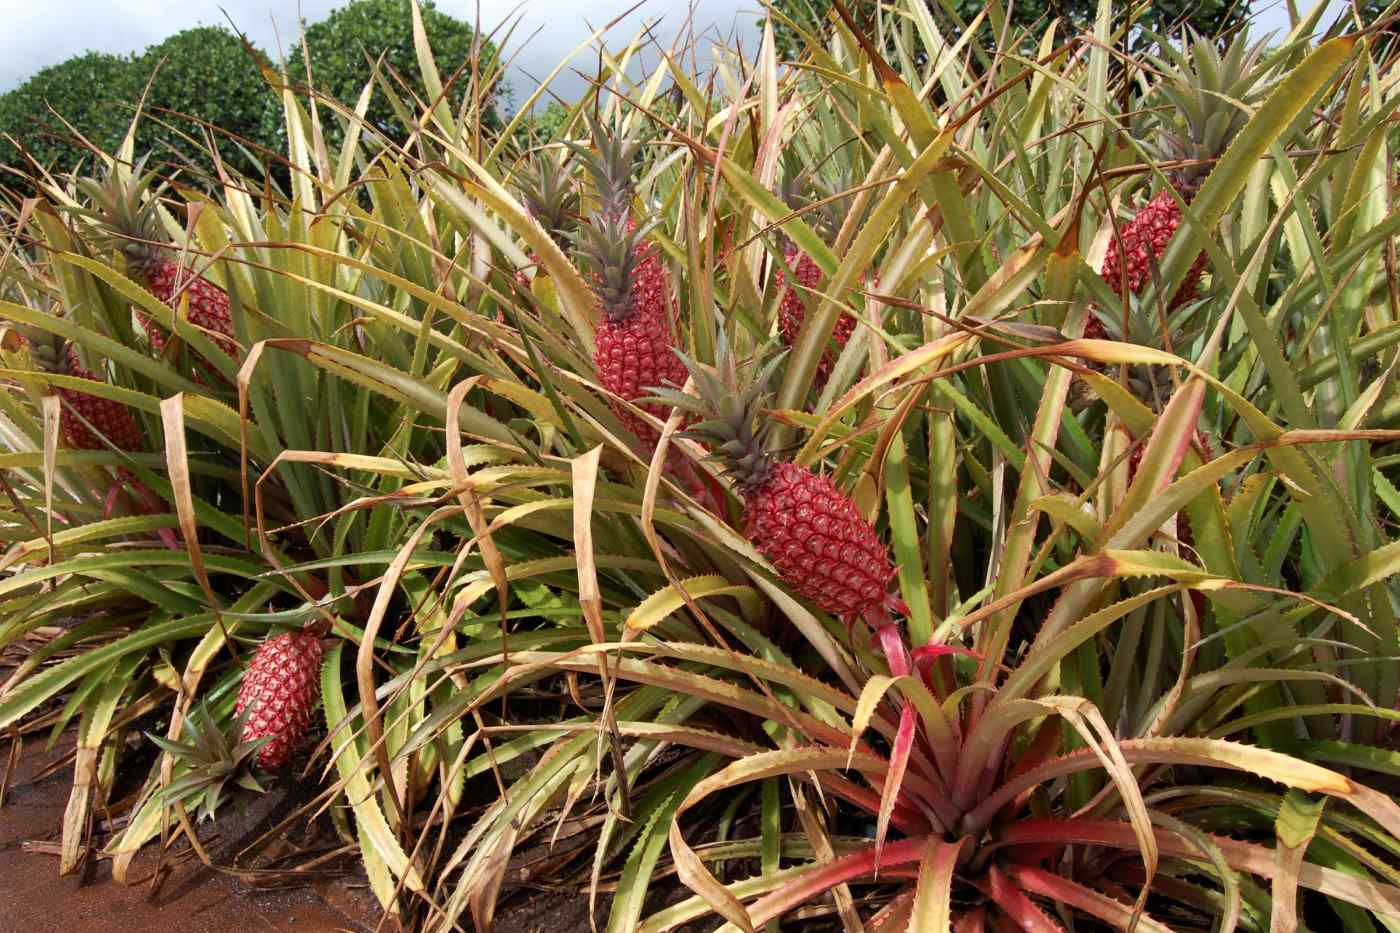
<point x="44" y="32"/>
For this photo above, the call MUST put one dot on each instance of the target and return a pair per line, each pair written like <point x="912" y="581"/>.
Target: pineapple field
<point x="926" y="473"/>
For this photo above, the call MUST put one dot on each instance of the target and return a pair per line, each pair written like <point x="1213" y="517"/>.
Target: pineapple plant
<point x="793" y="303"/>
<point x="211" y="761"/>
<point x="125" y="215"/>
<point x="1206" y="88"/>
<point x="634" y="342"/>
<point x="550" y="197"/>
<point x="87" y="421"/>
<point x="279" y="693"/>
<point x="811" y="530"/>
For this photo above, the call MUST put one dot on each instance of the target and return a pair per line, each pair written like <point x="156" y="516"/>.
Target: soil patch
<point x="190" y="899"/>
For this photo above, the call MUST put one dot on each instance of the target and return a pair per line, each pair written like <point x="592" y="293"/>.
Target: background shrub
<point x="89" y="90"/>
<point x="342" y="45"/>
<point x="1211" y="17"/>
<point x="208" y="76"/>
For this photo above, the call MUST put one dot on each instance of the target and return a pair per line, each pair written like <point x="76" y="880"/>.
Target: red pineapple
<point x="1142" y="241"/>
<point x="634" y="348"/>
<point x="816" y="537"/>
<point x="86" y="418"/>
<point x="792" y="309"/>
<point x="1206" y="89"/>
<point x="281" y="687"/>
<point x="126" y="215"/>
<point x="822" y="546"/>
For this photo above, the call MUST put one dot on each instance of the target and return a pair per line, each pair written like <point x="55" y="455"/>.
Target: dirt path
<point x="192" y="899"/>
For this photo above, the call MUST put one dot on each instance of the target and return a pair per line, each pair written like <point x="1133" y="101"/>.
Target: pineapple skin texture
<point x="1144" y="240"/>
<point x="792" y="310"/>
<point x="282" y="687"/>
<point x="113" y="419"/>
<point x="208" y="308"/>
<point x="634" y="353"/>
<point x="823" y="547"/>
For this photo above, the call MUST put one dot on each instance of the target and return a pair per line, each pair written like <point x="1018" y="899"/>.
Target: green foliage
<point x="203" y="76"/>
<point x="207" y="77"/>
<point x="1211" y="17"/>
<point x="1136" y="664"/>
<point x="91" y="91"/>
<point x="344" y="45"/>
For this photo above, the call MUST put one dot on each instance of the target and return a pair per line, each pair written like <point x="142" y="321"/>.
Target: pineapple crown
<point x="612" y="167"/>
<point x="213" y="759"/>
<point x="729" y="410"/>
<point x="50" y="352"/>
<point x="550" y="196"/>
<point x="614" y="246"/>
<point x="1213" y="93"/>
<point x="1151" y="384"/>
<point x="612" y="241"/>
<point x="824" y="202"/>
<point x="125" y="212"/>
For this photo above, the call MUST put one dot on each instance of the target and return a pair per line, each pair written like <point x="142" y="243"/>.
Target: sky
<point x="37" y="34"/>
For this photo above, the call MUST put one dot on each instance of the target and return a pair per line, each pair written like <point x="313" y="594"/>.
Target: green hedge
<point x="209" y="77"/>
<point x="345" y="43"/>
<point x="91" y="92"/>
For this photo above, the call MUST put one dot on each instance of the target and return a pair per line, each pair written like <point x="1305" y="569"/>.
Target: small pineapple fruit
<point x="549" y="195"/>
<point x="799" y="192"/>
<point x="813" y="533"/>
<point x="280" y="690"/>
<point x="86" y="419"/>
<point x="792" y="310"/>
<point x="125" y="213"/>
<point x="634" y="345"/>
<point x="1204" y="87"/>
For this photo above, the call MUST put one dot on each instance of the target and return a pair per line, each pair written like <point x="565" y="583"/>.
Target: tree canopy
<point x="344" y="45"/>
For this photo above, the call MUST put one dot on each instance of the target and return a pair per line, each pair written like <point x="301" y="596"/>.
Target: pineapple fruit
<point x="279" y="693"/>
<point x="86" y="419"/>
<point x="799" y="193"/>
<point x="634" y="344"/>
<point x="1203" y="86"/>
<point x="822" y="546"/>
<point x="792" y="310"/>
<point x="125" y="214"/>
